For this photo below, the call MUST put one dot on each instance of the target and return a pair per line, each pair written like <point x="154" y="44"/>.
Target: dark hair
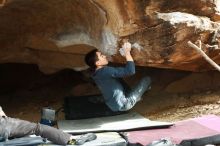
<point x="91" y="59"/>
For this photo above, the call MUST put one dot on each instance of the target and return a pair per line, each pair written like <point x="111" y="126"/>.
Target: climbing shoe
<point x="82" y="139"/>
<point x="71" y="142"/>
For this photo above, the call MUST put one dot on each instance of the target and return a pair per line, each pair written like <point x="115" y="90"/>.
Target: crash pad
<point x="23" y="141"/>
<point x="201" y="127"/>
<point x="84" y="107"/>
<point x="128" y="121"/>
<point x="103" y="139"/>
<point x="107" y="139"/>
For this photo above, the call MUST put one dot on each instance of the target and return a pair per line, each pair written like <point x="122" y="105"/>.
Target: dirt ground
<point x="175" y="95"/>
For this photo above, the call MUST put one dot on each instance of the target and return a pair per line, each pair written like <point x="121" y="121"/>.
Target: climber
<point x="14" y="128"/>
<point x="117" y="94"/>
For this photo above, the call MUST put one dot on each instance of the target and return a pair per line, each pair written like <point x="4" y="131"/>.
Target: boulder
<point x="56" y="34"/>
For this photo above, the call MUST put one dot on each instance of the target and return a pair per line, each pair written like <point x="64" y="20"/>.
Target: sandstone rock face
<point x="56" y="34"/>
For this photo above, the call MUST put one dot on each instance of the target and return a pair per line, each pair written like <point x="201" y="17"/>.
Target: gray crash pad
<point x="23" y="141"/>
<point x="122" y="122"/>
<point x="103" y="139"/>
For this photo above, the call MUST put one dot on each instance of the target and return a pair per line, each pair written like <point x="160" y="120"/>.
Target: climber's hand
<point x="127" y="48"/>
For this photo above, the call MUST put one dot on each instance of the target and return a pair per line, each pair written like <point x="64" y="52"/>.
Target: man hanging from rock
<point x="15" y="128"/>
<point x="117" y="94"/>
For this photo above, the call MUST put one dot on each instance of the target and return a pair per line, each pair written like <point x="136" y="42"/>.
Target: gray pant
<point x="130" y="97"/>
<point x="14" y="128"/>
